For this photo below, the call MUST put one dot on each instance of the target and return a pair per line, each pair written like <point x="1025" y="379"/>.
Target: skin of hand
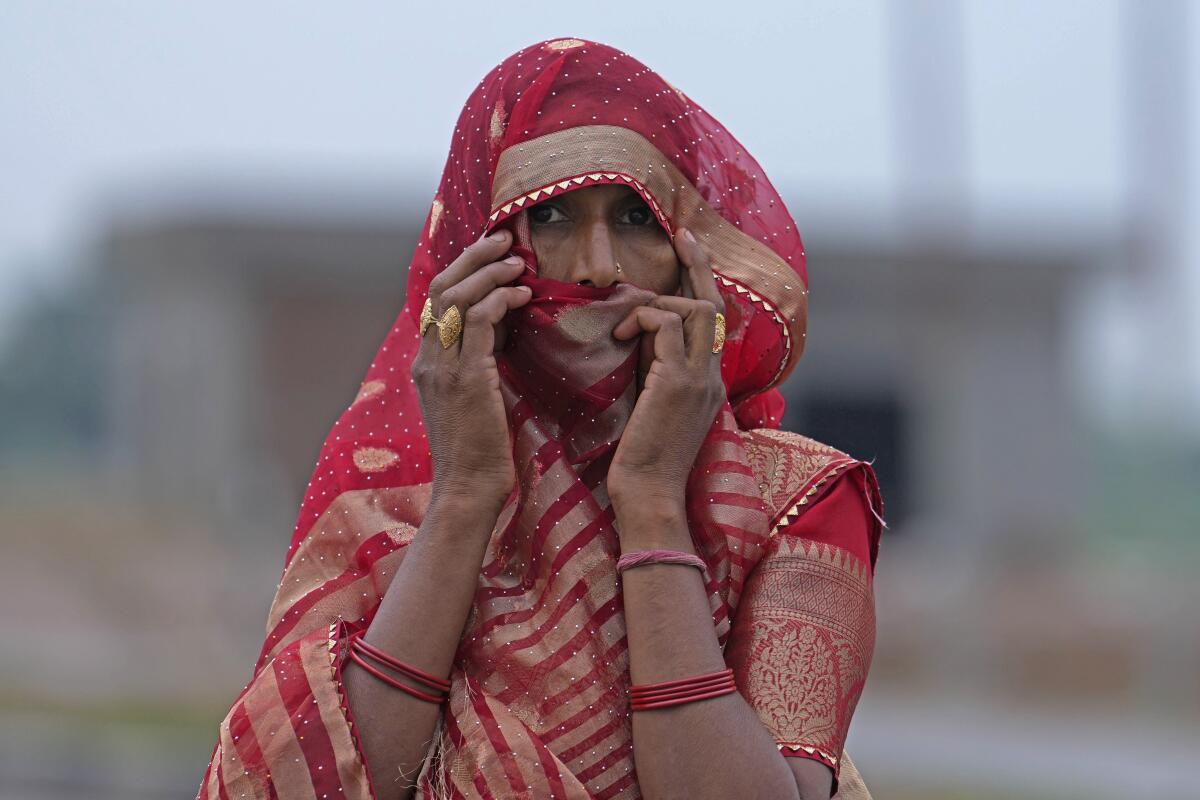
<point x="459" y="386"/>
<point x="680" y="386"/>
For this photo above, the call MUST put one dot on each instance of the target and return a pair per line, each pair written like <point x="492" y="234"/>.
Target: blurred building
<point x="948" y="358"/>
<point x="237" y="343"/>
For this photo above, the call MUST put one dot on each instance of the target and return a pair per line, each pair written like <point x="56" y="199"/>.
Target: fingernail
<point x="687" y="234"/>
<point x="498" y="236"/>
<point x="525" y="289"/>
<point x="513" y="260"/>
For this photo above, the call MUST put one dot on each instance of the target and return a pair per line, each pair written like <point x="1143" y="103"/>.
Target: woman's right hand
<point x="459" y="386"/>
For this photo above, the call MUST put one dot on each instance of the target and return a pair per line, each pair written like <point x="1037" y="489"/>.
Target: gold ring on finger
<point x="426" y="316"/>
<point x="719" y="336"/>
<point x="449" y="327"/>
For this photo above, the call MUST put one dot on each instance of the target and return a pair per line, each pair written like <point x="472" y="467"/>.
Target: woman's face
<point x="582" y="236"/>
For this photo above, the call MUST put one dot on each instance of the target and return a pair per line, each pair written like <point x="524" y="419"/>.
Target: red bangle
<point x="650" y="687"/>
<point x="698" y="686"/>
<point x="437" y="684"/>
<point x="683" y="693"/>
<point x="388" y="679"/>
<point x="684" y="690"/>
<point x="682" y="700"/>
<point x="640" y="557"/>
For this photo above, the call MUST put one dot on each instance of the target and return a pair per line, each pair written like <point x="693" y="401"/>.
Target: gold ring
<point x="426" y="316"/>
<point x="719" y="336"/>
<point x="450" y="327"/>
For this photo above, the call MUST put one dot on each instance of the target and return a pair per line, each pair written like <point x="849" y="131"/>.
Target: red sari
<point x="788" y="527"/>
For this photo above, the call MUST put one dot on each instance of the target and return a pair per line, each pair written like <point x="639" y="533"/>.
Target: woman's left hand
<point x="680" y="387"/>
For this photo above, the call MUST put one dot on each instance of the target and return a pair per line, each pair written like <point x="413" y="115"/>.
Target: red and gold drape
<point x="788" y="527"/>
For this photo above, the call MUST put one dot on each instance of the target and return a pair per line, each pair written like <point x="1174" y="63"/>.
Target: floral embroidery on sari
<point x="809" y="617"/>
<point x="787" y="462"/>
<point x="804" y="634"/>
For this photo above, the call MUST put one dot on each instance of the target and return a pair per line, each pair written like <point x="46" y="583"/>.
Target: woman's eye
<point x="639" y="215"/>
<point x="544" y="213"/>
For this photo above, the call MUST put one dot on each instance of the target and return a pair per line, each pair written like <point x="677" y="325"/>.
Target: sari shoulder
<point x="796" y="473"/>
<point x="803" y="637"/>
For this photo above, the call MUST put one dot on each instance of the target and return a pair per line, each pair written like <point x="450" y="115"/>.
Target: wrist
<point x="653" y="526"/>
<point x="641" y="495"/>
<point x="478" y="490"/>
<point x="675" y="543"/>
<point x="465" y="511"/>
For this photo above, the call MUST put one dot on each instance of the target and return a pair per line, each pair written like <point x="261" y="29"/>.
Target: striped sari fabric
<point x="788" y="527"/>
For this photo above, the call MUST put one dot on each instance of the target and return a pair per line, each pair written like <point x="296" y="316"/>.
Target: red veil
<point x="538" y="703"/>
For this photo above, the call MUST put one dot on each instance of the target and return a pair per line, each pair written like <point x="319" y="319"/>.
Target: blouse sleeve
<point x="290" y="732"/>
<point x="804" y="631"/>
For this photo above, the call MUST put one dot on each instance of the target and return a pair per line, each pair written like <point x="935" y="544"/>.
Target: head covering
<point x="558" y="115"/>
<point x="543" y="661"/>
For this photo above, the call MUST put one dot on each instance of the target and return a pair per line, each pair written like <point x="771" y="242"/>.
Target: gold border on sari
<point x="532" y="171"/>
<point x="808" y="634"/>
<point x="792" y="469"/>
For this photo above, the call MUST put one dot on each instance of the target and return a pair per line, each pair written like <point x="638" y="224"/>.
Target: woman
<point x="556" y="547"/>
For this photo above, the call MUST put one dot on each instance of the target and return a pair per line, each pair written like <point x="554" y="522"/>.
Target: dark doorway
<point x="868" y="427"/>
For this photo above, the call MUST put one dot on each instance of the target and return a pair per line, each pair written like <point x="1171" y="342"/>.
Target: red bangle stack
<point x="360" y="651"/>
<point x="683" y="690"/>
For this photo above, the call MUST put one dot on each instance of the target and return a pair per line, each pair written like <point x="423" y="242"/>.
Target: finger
<point x="665" y="326"/>
<point x="685" y="284"/>
<point x="428" y="346"/>
<point x="431" y="343"/>
<point x="698" y="269"/>
<point x="478" y="254"/>
<point x="467" y="265"/>
<point x="699" y="326"/>
<point x="479" y="335"/>
<point x="473" y="288"/>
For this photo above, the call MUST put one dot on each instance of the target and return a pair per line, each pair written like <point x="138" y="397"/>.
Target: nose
<point x="596" y="263"/>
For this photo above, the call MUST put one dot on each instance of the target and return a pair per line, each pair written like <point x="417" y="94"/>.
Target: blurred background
<point x="208" y="210"/>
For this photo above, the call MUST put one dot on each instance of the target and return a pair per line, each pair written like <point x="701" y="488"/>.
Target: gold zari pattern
<point x="809" y="633"/>
<point x="374" y="459"/>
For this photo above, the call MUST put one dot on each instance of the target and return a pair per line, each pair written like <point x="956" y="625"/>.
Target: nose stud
<point x="618" y="263"/>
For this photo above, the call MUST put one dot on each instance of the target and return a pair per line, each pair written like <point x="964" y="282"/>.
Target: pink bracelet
<point x="640" y="557"/>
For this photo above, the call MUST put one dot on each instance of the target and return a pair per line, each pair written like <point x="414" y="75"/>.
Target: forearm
<point x="420" y="622"/>
<point x="713" y="748"/>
